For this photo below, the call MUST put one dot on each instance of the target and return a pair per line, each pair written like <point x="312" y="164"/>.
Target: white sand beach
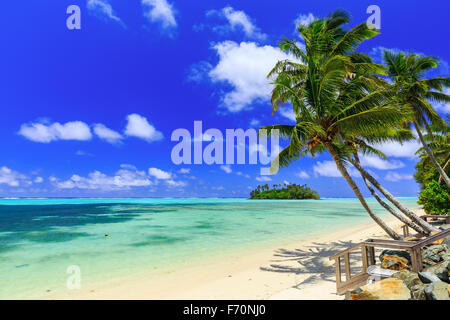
<point x="299" y="270"/>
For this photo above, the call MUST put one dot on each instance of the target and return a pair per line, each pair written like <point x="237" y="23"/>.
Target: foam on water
<point x="40" y="238"/>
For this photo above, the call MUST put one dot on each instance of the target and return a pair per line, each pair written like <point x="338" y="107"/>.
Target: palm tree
<point x="357" y="145"/>
<point x="440" y="146"/>
<point x="408" y="73"/>
<point x="330" y="90"/>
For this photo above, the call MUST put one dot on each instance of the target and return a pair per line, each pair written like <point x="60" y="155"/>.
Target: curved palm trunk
<point x="431" y="155"/>
<point x="443" y="168"/>
<point x="359" y="195"/>
<point x="386" y="206"/>
<point x="411" y="215"/>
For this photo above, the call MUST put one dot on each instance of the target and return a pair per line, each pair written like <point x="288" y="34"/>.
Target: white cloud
<point x="394" y="176"/>
<point x="12" y="178"/>
<point x="303" y="175"/>
<point x="176" y="184"/>
<point x="255" y="123"/>
<point x="381" y="164"/>
<point x="41" y="132"/>
<point x="245" y="67"/>
<point x="227" y="169"/>
<point x="123" y="179"/>
<point x="127" y="177"/>
<point x="159" y="174"/>
<point x="239" y="173"/>
<point x="443" y="107"/>
<point x="238" y="19"/>
<point x="82" y="153"/>
<point x="138" y="126"/>
<point x="329" y="169"/>
<point x="288" y="113"/>
<point x="103" y="10"/>
<point x="198" y="72"/>
<point x="263" y="179"/>
<point x="303" y="19"/>
<point x="160" y="11"/>
<point x="38" y="180"/>
<point x="107" y="134"/>
<point x="399" y="150"/>
<point x="184" y="170"/>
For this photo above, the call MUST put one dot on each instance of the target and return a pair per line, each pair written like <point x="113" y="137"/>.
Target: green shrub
<point x="435" y="198"/>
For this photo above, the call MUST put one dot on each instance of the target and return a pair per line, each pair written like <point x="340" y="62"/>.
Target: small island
<point x="286" y="191"/>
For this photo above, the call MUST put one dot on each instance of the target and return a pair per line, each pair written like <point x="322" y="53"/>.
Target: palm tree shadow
<point x="314" y="261"/>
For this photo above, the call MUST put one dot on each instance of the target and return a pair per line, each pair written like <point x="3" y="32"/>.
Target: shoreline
<point x="263" y="273"/>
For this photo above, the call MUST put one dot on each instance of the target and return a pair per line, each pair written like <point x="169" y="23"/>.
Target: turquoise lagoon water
<point x="41" y="238"/>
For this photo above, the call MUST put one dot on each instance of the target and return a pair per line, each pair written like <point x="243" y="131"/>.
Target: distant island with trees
<point x="286" y="191"/>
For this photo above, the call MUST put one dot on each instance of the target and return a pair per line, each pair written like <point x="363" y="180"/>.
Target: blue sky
<point x="90" y="112"/>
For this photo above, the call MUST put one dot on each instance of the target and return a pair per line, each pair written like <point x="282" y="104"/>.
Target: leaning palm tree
<point x="329" y="88"/>
<point x="440" y="147"/>
<point x="357" y="145"/>
<point x="408" y="71"/>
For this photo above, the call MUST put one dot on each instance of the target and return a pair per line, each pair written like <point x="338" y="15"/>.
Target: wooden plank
<point x="356" y="282"/>
<point x="432" y="216"/>
<point x="388" y="245"/>
<point x="388" y="241"/>
<point x="347" y="266"/>
<point x="355" y="247"/>
<point x="431" y="239"/>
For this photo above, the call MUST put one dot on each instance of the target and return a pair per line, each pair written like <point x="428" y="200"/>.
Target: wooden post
<point x="338" y="271"/>
<point x="405" y="230"/>
<point x="414" y="261"/>
<point x="347" y="266"/>
<point x="371" y="252"/>
<point x="365" y="262"/>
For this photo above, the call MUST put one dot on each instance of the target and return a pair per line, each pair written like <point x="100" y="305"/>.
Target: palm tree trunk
<point x="423" y="224"/>
<point x="443" y="168"/>
<point x="386" y="206"/>
<point x="431" y="155"/>
<point x="359" y="195"/>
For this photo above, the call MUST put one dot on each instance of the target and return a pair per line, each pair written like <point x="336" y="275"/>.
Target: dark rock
<point x="398" y="253"/>
<point x="418" y="292"/>
<point x="349" y="293"/>
<point x="437" y="291"/>
<point x="386" y="289"/>
<point x="395" y="263"/>
<point x="441" y="271"/>
<point x="435" y="254"/>
<point x="412" y="281"/>
<point x="428" y="277"/>
<point x="408" y="277"/>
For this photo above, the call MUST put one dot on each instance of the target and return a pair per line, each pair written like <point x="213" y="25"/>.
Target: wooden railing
<point x="367" y="249"/>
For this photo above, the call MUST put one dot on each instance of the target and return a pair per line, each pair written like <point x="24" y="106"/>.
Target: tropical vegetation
<point x="286" y="191"/>
<point x="344" y="104"/>
<point x="434" y="195"/>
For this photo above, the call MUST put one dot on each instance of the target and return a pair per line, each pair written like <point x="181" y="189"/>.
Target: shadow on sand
<point x="313" y="262"/>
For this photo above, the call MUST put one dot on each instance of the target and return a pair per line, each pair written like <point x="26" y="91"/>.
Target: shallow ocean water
<point x="41" y="238"/>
